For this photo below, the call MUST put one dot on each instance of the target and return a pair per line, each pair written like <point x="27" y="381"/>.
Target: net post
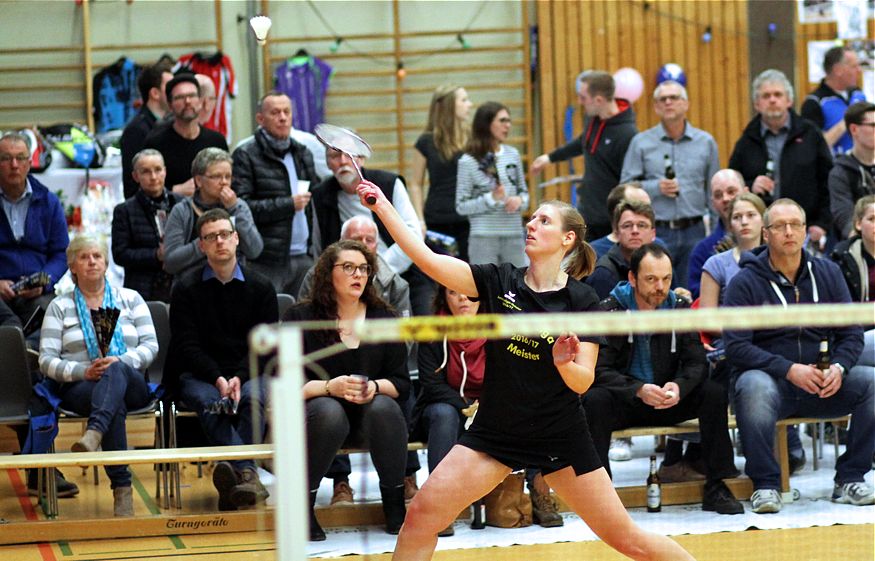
<point x="292" y="519"/>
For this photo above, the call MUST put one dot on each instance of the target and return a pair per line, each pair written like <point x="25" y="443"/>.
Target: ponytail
<point x="581" y="261"/>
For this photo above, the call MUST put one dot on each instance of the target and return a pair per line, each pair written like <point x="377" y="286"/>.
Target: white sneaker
<point x="859" y="494"/>
<point x="766" y="500"/>
<point x="621" y="450"/>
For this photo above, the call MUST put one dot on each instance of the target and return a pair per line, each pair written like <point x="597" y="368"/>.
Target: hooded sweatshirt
<point x="849" y="181"/>
<point x="603" y="145"/>
<point x="629" y="361"/>
<point x="775" y="350"/>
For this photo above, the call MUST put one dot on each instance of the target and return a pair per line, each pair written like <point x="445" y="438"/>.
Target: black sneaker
<point x="66" y="489"/>
<point x="718" y="498"/>
<point x="225" y="478"/>
<point x="797" y="462"/>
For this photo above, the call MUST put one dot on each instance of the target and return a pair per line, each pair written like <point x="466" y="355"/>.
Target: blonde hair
<point x="450" y="134"/>
<point x="581" y="258"/>
<point x="85" y="241"/>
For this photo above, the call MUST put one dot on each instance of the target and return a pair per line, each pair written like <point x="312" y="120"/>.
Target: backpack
<point x="75" y="142"/>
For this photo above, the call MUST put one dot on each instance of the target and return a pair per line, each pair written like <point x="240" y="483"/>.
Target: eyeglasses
<point x="184" y="97"/>
<point x="224" y="235"/>
<point x="350" y="268"/>
<point x="639" y="225"/>
<point x="219" y="177"/>
<point x="665" y="98"/>
<point x="20" y="158"/>
<point x="781" y="226"/>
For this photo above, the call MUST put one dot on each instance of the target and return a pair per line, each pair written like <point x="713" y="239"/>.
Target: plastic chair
<point x="284" y="302"/>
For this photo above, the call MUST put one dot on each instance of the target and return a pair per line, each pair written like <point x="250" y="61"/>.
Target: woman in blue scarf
<point x="100" y="374"/>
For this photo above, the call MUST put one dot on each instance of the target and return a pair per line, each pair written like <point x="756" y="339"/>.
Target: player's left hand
<point x="565" y="349"/>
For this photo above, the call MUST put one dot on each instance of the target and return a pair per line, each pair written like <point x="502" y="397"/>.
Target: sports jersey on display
<point x="115" y="93"/>
<point x="305" y="80"/>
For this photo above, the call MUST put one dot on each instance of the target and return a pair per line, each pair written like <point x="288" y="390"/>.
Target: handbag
<point x="507" y="506"/>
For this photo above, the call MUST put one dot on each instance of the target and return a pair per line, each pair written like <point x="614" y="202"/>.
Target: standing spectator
<point x="273" y="173"/>
<point x="211" y="171"/>
<point x="826" y="105"/>
<point x="774" y="370"/>
<point x="852" y="176"/>
<point x="150" y="82"/>
<point x="607" y="130"/>
<point x="725" y="186"/>
<point x="138" y="226"/>
<point x="674" y="161"/>
<point x="491" y="189"/>
<point x="856" y="259"/>
<point x="781" y="155"/>
<point x="437" y="152"/>
<point x="180" y="140"/>
<point x="33" y="230"/>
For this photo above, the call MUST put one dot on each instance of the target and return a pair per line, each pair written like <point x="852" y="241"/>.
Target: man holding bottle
<point x="674" y="162"/>
<point x="774" y="370"/>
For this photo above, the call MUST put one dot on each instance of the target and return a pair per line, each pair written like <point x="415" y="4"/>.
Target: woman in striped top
<point x="100" y="373"/>
<point x="491" y="189"/>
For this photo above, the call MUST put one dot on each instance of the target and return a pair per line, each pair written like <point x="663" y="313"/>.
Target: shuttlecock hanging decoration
<point x="260" y="26"/>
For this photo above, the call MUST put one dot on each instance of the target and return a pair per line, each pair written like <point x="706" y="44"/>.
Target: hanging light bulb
<point x="260" y="26"/>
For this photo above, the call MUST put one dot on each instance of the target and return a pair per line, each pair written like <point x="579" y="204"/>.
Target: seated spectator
<point x="138" y="226"/>
<point x="853" y="175"/>
<point x="450" y="377"/>
<point x="212" y="312"/>
<point x="33" y="230"/>
<point x="345" y="409"/>
<point x="725" y="186"/>
<point x="631" y="191"/>
<point x="102" y="384"/>
<point x="856" y="259"/>
<point x="773" y="368"/>
<point x="633" y="222"/>
<point x="211" y="170"/>
<point x="660" y="379"/>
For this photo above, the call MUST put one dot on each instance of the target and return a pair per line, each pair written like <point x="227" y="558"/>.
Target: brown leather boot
<point x="250" y="489"/>
<point x="89" y="442"/>
<point x="122" y="501"/>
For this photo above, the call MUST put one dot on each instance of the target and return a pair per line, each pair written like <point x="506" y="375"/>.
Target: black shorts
<point x="549" y="453"/>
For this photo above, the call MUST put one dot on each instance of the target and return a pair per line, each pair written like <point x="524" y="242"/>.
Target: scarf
<point x="117" y="346"/>
<point x="280" y="147"/>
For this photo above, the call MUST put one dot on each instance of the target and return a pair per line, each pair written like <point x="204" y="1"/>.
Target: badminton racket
<point x="348" y="142"/>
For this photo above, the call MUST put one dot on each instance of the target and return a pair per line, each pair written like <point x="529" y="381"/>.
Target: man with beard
<point x="659" y="379"/>
<point x="180" y="140"/>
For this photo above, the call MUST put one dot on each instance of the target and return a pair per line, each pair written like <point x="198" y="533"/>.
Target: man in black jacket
<point x="781" y="154"/>
<point x="273" y="173"/>
<point x="853" y="176"/>
<point x="212" y="312"/>
<point x="659" y="379"/>
<point x="138" y="228"/>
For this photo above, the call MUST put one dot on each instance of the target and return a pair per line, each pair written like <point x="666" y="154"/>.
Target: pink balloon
<point x="628" y="84"/>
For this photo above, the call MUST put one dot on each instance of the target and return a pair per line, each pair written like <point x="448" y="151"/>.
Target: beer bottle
<point x="770" y="169"/>
<point x="823" y="360"/>
<point x="669" y="169"/>
<point x="654" y="489"/>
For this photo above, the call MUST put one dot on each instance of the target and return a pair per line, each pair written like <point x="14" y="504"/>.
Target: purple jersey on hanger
<point x="305" y="81"/>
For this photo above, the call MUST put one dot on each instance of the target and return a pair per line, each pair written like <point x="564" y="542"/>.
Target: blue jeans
<point x="680" y="244"/>
<point x="444" y="424"/>
<point x="221" y="429"/>
<point x="762" y="400"/>
<point x="106" y="402"/>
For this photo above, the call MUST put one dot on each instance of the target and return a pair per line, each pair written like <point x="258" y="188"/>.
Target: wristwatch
<point x="840" y="367"/>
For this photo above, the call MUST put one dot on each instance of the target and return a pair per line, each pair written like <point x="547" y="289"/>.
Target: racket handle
<point x="371" y="200"/>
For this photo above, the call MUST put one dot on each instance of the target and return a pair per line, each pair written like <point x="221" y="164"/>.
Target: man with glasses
<point x="211" y="314"/>
<point x="181" y="139"/>
<point x="773" y="369"/>
<point x="782" y="155"/>
<point x="33" y="231"/>
<point x="826" y="105"/>
<point x="674" y="161"/>
<point x="851" y="178"/>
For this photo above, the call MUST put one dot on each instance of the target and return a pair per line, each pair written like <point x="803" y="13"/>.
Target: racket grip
<point x="371" y="200"/>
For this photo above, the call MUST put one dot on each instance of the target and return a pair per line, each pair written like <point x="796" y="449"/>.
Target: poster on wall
<point x="851" y="18"/>
<point x="816" y="50"/>
<point x="865" y="50"/>
<point x="815" y="11"/>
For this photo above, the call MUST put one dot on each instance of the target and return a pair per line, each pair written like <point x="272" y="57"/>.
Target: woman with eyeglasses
<point x="353" y="397"/>
<point x="99" y="369"/>
<point x="437" y="152"/>
<point x="212" y="172"/>
<point x="491" y="189"/>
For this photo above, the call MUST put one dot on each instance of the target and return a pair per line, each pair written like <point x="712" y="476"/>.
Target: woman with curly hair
<point x="353" y="397"/>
